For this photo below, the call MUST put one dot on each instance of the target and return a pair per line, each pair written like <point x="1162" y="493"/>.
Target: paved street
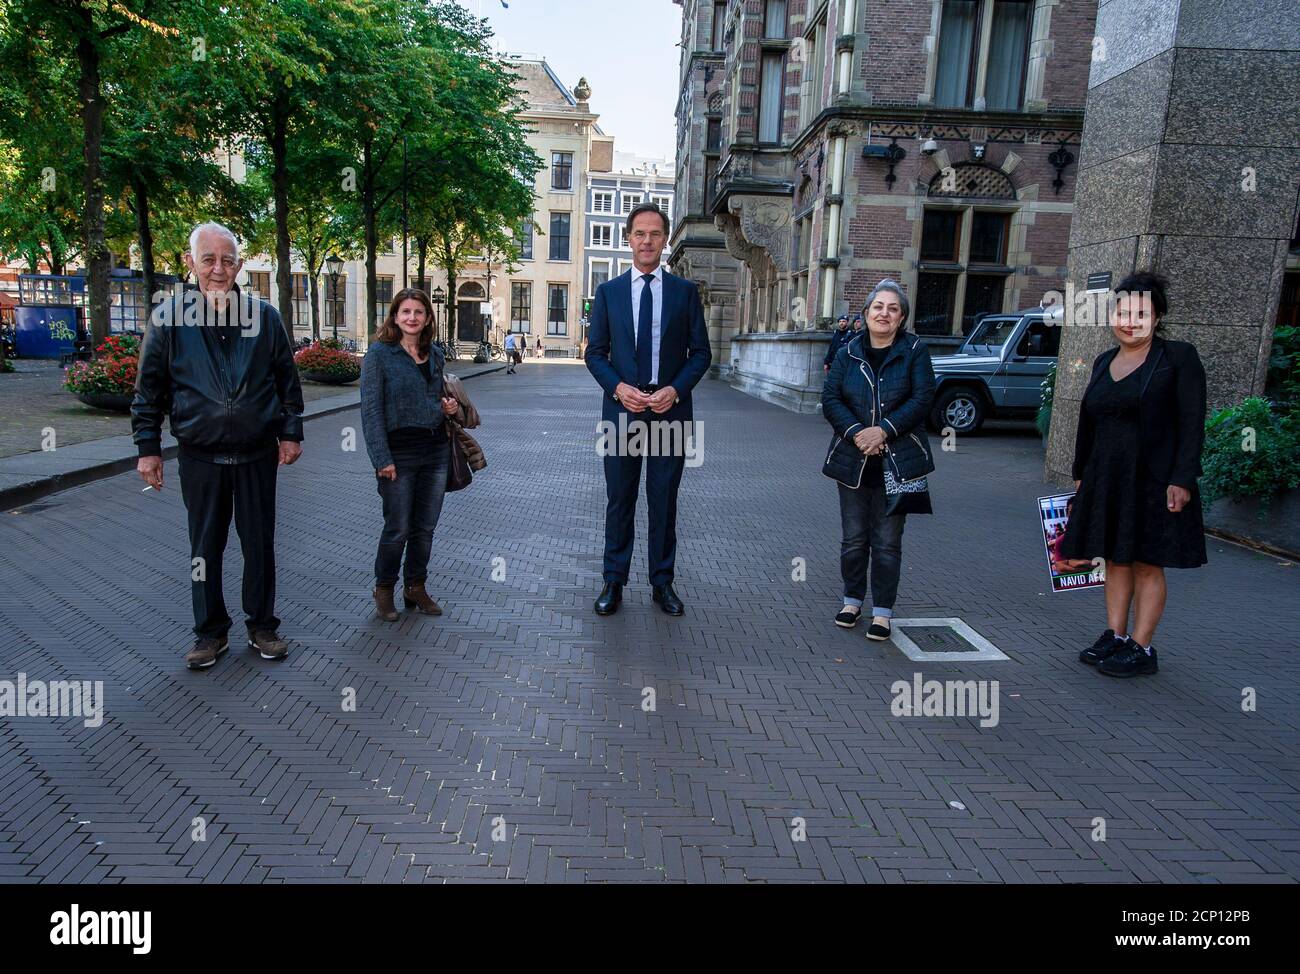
<point x="506" y="740"/>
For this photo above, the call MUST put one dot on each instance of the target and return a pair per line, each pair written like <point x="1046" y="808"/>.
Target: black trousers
<point x="622" y="484"/>
<point x="212" y="492"/>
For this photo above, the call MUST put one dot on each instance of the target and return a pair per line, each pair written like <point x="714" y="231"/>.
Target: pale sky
<point x="626" y="49"/>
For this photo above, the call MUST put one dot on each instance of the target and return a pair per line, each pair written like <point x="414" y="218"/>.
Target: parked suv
<point x="998" y="371"/>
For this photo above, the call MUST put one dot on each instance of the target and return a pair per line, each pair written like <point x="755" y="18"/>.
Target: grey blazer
<point x="394" y="395"/>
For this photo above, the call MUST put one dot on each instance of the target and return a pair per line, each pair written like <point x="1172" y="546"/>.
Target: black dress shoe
<point x="608" y="600"/>
<point x="667" y="599"/>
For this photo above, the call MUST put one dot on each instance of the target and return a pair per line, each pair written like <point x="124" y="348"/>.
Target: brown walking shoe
<point x="416" y="597"/>
<point x="268" y="643"/>
<point x="384" y="607"/>
<point x="205" y="652"/>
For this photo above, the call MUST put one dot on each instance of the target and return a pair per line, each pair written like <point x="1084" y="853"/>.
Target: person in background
<point x="1137" y="457"/>
<point x="510" y="352"/>
<point x="839" y="338"/>
<point x="404" y="404"/>
<point x="878" y="393"/>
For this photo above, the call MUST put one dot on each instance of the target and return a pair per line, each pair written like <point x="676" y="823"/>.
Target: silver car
<point x="998" y="371"/>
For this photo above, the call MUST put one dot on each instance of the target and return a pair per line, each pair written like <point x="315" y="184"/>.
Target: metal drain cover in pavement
<point x="942" y="640"/>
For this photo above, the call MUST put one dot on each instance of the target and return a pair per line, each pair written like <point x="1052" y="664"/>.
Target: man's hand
<point x="870" y="440"/>
<point x="632" y="398"/>
<point x="663" y="399"/>
<point x="1177" y="497"/>
<point x="150" y="470"/>
<point x="389" y="472"/>
<point x="450" y="405"/>
<point x="289" y="452"/>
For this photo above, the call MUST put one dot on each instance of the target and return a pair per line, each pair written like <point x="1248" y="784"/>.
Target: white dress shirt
<point x="657" y="303"/>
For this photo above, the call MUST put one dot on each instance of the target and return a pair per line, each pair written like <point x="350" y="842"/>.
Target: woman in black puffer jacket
<point x="877" y="395"/>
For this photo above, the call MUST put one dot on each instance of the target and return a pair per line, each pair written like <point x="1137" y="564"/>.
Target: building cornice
<point x="949" y="124"/>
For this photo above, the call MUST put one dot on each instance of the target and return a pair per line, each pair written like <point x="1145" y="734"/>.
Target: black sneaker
<point x="1130" y="660"/>
<point x="847" y="618"/>
<point x="1105" y="645"/>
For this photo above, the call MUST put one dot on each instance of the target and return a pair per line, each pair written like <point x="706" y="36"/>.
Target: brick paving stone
<point x="520" y="704"/>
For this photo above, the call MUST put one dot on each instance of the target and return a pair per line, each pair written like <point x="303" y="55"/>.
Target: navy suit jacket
<point x="684" y="353"/>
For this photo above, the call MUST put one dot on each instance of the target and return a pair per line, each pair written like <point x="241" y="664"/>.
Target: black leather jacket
<point x="230" y="392"/>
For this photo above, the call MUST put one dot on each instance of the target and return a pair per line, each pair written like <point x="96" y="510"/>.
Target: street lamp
<point x="438" y="297"/>
<point x="334" y="267"/>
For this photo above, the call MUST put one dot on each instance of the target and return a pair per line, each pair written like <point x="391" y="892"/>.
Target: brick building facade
<point x="826" y="144"/>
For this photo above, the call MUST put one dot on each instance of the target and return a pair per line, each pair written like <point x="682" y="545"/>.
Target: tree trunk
<point x="421" y="249"/>
<point x="145" y="233"/>
<point x="370" y="220"/>
<point x="92" y="131"/>
<point x="313" y="288"/>
<point x="280" y="190"/>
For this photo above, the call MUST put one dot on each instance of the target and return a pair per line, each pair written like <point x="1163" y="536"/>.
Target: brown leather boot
<point x="384" y="606"/>
<point x="416" y="597"/>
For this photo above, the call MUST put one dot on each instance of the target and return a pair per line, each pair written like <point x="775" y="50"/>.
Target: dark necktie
<point x="644" y="333"/>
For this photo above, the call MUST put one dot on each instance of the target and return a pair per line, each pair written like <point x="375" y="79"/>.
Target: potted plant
<point x="108" y="380"/>
<point x="325" y="361"/>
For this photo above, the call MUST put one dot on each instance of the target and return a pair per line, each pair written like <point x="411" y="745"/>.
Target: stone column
<point x="1189" y="166"/>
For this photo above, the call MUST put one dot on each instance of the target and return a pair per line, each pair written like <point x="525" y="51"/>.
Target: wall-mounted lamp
<point x="892" y="154"/>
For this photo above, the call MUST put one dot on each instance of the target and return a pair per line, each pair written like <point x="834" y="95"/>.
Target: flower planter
<point x="113" y="402"/>
<point x="327" y="378"/>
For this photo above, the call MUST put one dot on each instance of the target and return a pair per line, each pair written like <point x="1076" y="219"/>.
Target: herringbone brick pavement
<point x="506" y="740"/>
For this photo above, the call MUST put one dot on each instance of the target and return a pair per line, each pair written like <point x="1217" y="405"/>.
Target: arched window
<point x="472" y="290"/>
<point x="972" y="180"/>
<point x="965" y="248"/>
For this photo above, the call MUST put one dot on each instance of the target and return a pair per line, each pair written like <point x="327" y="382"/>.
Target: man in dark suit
<point x="647" y="346"/>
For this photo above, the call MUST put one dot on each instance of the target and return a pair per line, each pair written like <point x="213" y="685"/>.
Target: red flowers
<point x="111" y="372"/>
<point x="325" y="358"/>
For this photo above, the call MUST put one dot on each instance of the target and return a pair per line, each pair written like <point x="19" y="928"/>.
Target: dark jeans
<point x="868" y="535"/>
<point x="412" y="504"/>
<point x="212" y="492"/>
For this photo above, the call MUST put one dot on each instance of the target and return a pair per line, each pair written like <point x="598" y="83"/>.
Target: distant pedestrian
<point x="839" y="338"/>
<point x="404" y="407"/>
<point x="523" y="347"/>
<point x="510" y="352"/>
<point x="230" y="391"/>
<point x="877" y="396"/>
<point x="1137" y="457"/>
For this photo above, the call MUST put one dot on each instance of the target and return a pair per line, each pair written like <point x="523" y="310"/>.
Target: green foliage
<point x="1044" y="418"/>
<point x="1251" y="451"/>
<point x="1283" y="383"/>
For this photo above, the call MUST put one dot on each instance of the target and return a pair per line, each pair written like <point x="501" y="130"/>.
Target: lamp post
<point x="334" y="267"/>
<point x="438" y="297"/>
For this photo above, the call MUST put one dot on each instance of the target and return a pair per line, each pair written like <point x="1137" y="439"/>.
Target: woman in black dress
<point x="1137" y="457"/>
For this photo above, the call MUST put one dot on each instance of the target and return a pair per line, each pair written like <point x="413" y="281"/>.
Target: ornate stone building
<point x="826" y="144"/>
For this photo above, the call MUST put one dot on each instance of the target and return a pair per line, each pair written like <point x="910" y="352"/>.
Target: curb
<point x="14" y="498"/>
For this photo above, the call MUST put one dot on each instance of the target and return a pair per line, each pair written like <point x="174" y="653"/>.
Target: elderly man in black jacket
<point x="216" y="361"/>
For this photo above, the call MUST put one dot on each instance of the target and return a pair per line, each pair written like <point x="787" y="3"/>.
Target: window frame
<point x="607" y="244"/>
<point x="565" y="167"/>
<point x="557" y="327"/>
<point x="556" y="236"/>
<point x="629" y="201"/>
<point x="608" y="194"/>
<point x="522" y="324"/>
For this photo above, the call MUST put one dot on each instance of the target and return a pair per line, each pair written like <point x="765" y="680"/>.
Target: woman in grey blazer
<point x="403" y="409"/>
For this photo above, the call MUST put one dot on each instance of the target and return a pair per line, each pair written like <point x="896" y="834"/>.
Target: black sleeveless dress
<point x="1120" y="512"/>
